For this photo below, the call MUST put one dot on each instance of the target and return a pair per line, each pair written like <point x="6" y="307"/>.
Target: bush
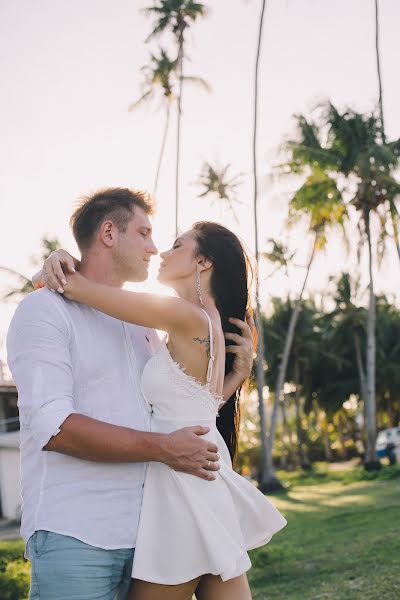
<point x="14" y="571"/>
<point x="10" y="550"/>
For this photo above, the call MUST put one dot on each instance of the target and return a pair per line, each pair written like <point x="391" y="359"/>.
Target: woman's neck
<point x="191" y="295"/>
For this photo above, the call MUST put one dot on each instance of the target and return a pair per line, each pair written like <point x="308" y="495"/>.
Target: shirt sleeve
<point x="40" y="361"/>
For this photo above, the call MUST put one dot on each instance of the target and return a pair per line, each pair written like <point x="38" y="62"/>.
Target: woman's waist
<point x="167" y="424"/>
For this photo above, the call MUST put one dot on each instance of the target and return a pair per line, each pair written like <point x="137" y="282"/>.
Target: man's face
<point x="135" y="247"/>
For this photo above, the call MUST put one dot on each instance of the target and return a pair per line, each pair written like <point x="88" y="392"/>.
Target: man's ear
<point x="108" y="233"/>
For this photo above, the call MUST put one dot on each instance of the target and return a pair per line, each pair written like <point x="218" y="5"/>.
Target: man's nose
<point x="152" y="248"/>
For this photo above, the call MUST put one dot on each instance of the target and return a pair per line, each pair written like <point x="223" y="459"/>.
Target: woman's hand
<point x="55" y="268"/>
<point x="243" y="349"/>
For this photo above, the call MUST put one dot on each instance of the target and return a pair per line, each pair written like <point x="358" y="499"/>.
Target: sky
<point x="70" y="69"/>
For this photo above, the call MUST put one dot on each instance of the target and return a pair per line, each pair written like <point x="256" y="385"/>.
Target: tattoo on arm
<point x="206" y="342"/>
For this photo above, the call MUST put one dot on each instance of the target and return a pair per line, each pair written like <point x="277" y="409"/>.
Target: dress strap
<point x="212" y="357"/>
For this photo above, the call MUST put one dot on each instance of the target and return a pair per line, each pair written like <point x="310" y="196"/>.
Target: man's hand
<point x="243" y="347"/>
<point x="184" y="450"/>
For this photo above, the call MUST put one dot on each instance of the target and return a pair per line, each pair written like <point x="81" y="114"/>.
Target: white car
<point x="385" y="437"/>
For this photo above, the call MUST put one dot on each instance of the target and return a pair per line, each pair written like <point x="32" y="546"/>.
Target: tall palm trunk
<point x="178" y="140"/>
<point x="287" y="348"/>
<point x="267" y="474"/>
<point x="267" y="480"/>
<point x="164" y="139"/>
<point x="378" y="65"/>
<point x="370" y="400"/>
<point x="391" y="206"/>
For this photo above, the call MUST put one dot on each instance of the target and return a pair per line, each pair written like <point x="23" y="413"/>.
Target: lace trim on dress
<point x="191" y="382"/>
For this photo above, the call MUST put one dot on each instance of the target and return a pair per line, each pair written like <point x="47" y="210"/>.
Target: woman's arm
<point x="150" y="310"/>
<point x="243" y="349"/>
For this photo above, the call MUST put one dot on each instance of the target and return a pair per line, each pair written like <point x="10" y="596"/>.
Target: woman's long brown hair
<point x="230" y="289"/>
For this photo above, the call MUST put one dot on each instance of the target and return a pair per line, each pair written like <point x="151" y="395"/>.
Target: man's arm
<point x="86" y="438"/>
<point x="40" y="361"/>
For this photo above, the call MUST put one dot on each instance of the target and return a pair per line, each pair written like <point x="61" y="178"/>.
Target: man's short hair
<point x="115" y="204"/>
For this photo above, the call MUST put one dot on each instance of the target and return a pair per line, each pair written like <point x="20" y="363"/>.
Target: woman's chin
<point x="163" y="280"/>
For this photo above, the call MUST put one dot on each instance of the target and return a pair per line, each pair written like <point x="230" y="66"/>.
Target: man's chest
<point x="108" y="358"/>
<point x="105" y="348"/>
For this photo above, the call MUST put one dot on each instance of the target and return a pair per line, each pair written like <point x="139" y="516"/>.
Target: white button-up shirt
<point x="68" y="358"/>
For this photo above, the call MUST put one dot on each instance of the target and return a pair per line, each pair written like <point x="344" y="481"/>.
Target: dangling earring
<point x="198" y="286"/>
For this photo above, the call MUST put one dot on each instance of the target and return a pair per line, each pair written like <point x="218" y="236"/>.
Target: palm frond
<point x="198" y="81"/>
<point x="218" y="185"/>
<point x="147" y="95"/>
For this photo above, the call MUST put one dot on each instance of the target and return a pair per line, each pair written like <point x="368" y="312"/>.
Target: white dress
<point x="189" y="526"/>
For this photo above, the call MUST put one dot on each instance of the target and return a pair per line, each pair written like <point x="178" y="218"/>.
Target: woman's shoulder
<point x="188" y="313"/>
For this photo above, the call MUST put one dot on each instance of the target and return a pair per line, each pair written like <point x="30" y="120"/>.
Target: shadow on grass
<point x="341" y="541"/>
<point x="324" y="473"/>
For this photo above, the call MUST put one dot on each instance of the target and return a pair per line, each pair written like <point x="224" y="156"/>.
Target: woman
<point x="193" y="534"/>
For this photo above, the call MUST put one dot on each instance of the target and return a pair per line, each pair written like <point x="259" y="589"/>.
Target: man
<point x="85" y="437"/>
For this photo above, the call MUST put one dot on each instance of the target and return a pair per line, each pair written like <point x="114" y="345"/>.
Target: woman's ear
<point x="203" y="264"/>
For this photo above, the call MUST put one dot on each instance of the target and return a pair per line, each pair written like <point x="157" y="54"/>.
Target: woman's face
<point x="179" y="263"/>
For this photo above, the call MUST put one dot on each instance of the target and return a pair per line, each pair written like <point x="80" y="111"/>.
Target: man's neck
<point x="100" y="271"/>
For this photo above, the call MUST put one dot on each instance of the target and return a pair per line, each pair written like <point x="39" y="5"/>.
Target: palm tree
<point x="176" y="16"/>
<point x="320" y="202"/>
<point x="279" y="255"/>
<point x="216" y="182"/>
<point x="24" y="284"/>
<point x="347" y="148"/>
<point x="392" y="208"/>
<point x="372" y="163"/>
<point x="160" y="78"/>
<point x="378" y="65"/>
<point x="268" y="479"/>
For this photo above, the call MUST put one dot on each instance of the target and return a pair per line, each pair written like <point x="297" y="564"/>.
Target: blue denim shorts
<point x="64" y="568"/>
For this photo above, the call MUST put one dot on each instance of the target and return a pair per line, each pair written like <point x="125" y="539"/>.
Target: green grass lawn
<point x="342" y="540"/>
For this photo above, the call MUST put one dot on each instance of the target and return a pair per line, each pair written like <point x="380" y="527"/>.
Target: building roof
<point x="8" y="386"/>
